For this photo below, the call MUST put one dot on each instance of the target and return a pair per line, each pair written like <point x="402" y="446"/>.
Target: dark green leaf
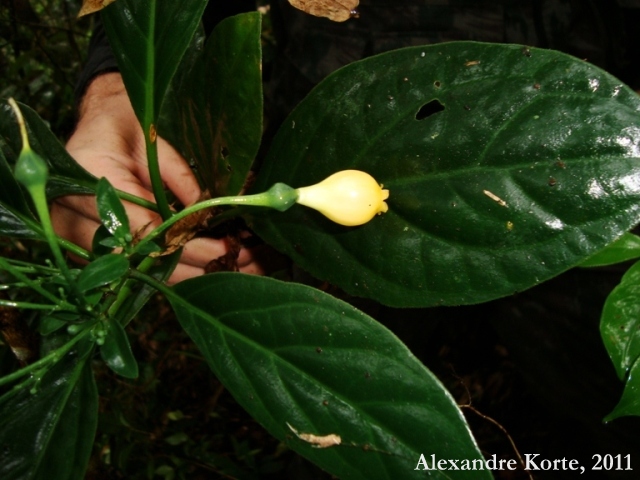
<point x="116" y="351"/>
<point x="625" y="248"/>
<point x="18" y="225"/>
<point x="54" y="322"/>
<point x="149" y="38"/>
<point x="504" y="169"/>
<point x="49" y="434"/>
<point x="103" y="242"/>
<point x="620" y="322"/>
<point x="112" y="213"/>
<point x="630" y="402"/>
<point x="295" y="355"/>
<point x="219" y="128"/>
<point x="102" y="271"/>
<point x="65" y="175"/>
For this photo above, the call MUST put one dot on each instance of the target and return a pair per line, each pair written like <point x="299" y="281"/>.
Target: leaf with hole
<point x="505" y="168"/>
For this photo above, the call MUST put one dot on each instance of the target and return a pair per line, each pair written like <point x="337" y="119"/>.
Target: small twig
<point x="503" y="430"/>
<point x="495" y="422"/>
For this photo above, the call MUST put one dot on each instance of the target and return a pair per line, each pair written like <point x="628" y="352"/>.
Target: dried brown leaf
<point x="336" y="10"/>
<point x="184" y="230"/>
<point x="91" y="6"/>
<point x="229" y="261"/>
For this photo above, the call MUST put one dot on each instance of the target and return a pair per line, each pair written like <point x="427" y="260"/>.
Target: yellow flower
<point x="349" y="197"/>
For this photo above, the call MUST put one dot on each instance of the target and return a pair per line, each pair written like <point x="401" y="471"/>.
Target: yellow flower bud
<point x="349" y="197"/>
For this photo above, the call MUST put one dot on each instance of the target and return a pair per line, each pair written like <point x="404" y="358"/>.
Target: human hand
<point x="109" y="142"/>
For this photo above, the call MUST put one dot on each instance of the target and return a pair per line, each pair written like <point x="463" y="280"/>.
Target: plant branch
<point x="51" y="358"/>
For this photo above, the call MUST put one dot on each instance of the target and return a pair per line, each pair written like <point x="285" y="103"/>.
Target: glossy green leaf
<point x="116" y="351"/>
<point x="149" y="38"/>
<point x="630" y="402"/>
<point x="49" y="434"/>
<point x="293" y="355"/>
<point x="112" y="213"/>
<point x="505" y="166"/>
<point x="620" y="322"/>
<point x="103" y="242"/>
<point x="214" y="113"/>
<point x="65" y="175"/>
<point x="623" y="249"/>
<point x="102" y="271"/>
<point x="17" y="225"/>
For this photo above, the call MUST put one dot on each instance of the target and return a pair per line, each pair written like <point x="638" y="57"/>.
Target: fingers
<point x="73" y="227"/>
<point x="199" y="252"/>
<point x="176" y="174"/>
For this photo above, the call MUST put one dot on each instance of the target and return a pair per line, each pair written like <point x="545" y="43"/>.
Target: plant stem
<point x="61" y="304"/>
<point x="27" y="305"/>
<point x="280" y="197"/>
<point x="125" y="290"/>
<point x="52" y="357"/>
<point x="137" y="200"/>
<point x="75" y="249"/>
<point x="152" y="282"/>
<point x="148" y="123"/>
<point x="32" y="172"/>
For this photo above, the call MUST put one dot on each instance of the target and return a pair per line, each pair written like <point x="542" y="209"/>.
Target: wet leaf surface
<point x="525" y="165"/>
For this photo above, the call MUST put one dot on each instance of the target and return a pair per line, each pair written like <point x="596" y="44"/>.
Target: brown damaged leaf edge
<point x="187" y="228"/>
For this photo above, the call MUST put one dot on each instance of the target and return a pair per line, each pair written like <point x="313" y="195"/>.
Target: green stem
<point x="52" y="357"/>
<point x="280" y="197"/>
<point x="40" y="201"/>
<point x="137" y="200"/>
<point x="154" y="173"/>
<point x="75" y="249"/>
<point x="28" y="267"/>
<point x="27" y="305"/>
<point x="148" y="125"/>
<point x="61" y="304"/>
<point x="32" y="172"/>
<point x="152" y="282"/>
<point x="125" y="291"/>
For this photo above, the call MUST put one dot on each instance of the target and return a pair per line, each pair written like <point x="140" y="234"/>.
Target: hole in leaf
<point x="437" y="84"/>
<point x="428" y="109"/>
